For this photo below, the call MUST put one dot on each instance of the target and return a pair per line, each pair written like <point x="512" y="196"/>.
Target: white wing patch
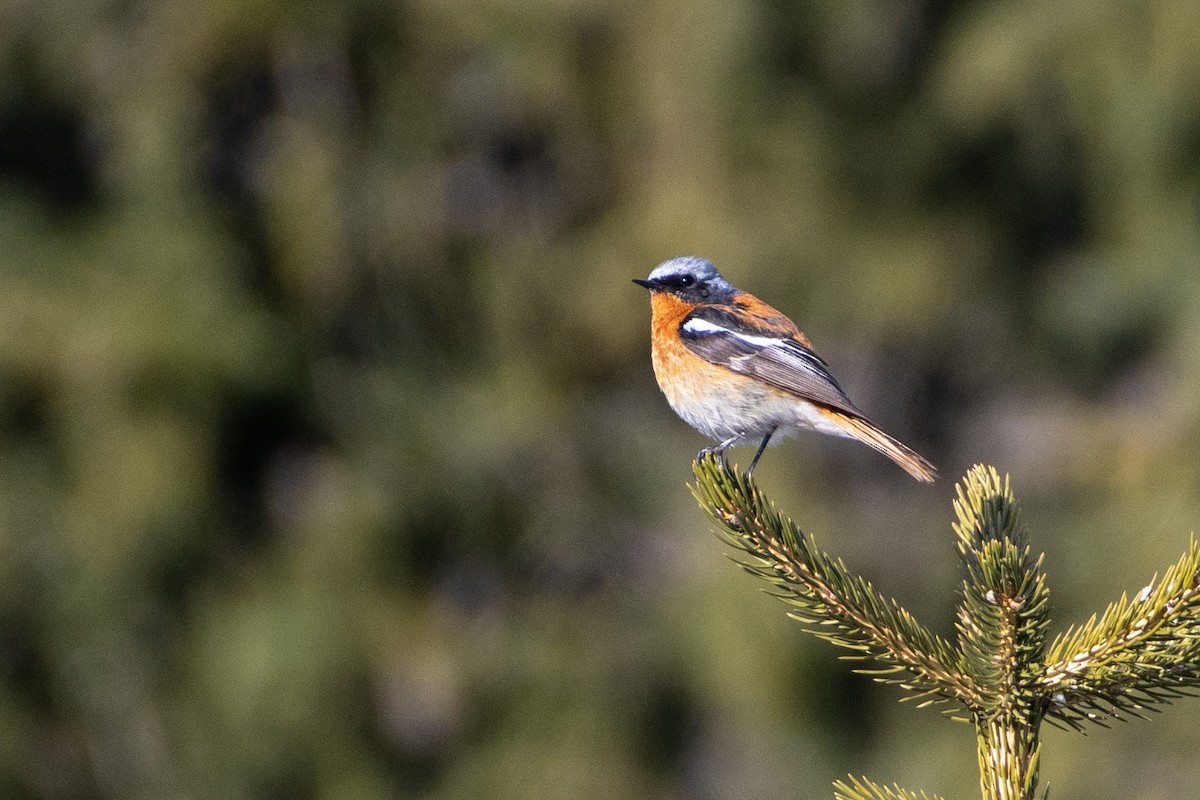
<point x="697" y="325"/>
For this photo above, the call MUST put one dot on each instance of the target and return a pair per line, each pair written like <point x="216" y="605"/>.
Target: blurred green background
<point x="331" y="460"/>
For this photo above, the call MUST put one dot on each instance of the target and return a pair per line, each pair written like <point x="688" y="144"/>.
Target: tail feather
<point x="867" y="433"/>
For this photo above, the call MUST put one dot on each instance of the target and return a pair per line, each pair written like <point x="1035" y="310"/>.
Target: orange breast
<point x="712" y="399"/>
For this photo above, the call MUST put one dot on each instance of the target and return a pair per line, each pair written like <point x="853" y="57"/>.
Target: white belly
<point x="724" y="410"/>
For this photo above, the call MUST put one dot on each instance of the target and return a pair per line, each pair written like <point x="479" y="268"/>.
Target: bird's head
<point x="694" y="280"/>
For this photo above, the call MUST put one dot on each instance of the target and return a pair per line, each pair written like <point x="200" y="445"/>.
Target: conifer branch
<point x="1002" y="631"/>
<point x="1142" y="651"/>
<point x="864" y="789"/>
<point x="1004" y="612"/>
<point x="832" y="603"/>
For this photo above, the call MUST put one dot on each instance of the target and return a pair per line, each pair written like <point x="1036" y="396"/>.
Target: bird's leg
<point x="761" y="448"/>
<point x="719" y="449"/>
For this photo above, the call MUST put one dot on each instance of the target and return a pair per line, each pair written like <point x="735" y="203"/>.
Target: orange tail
<point x="866" y="432"/>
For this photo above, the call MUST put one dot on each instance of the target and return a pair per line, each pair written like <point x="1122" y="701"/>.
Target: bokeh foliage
<point x="331" y="461"/>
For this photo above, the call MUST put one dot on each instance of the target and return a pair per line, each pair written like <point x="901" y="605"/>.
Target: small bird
<point x="737" y="370"/>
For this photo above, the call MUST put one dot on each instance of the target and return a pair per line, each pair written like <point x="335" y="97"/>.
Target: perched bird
<point x="737" y="370"/>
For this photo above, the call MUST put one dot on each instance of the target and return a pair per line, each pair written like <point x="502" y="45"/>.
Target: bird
<point x="739" y="371"/>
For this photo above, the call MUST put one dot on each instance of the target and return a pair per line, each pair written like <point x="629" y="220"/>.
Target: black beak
<point x="651" y="285"/>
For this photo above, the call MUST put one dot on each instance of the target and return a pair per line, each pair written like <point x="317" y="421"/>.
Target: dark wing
<point x="740" y="343"/>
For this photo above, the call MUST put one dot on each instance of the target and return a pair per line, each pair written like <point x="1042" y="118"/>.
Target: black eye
<point x="686" y="280"/>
